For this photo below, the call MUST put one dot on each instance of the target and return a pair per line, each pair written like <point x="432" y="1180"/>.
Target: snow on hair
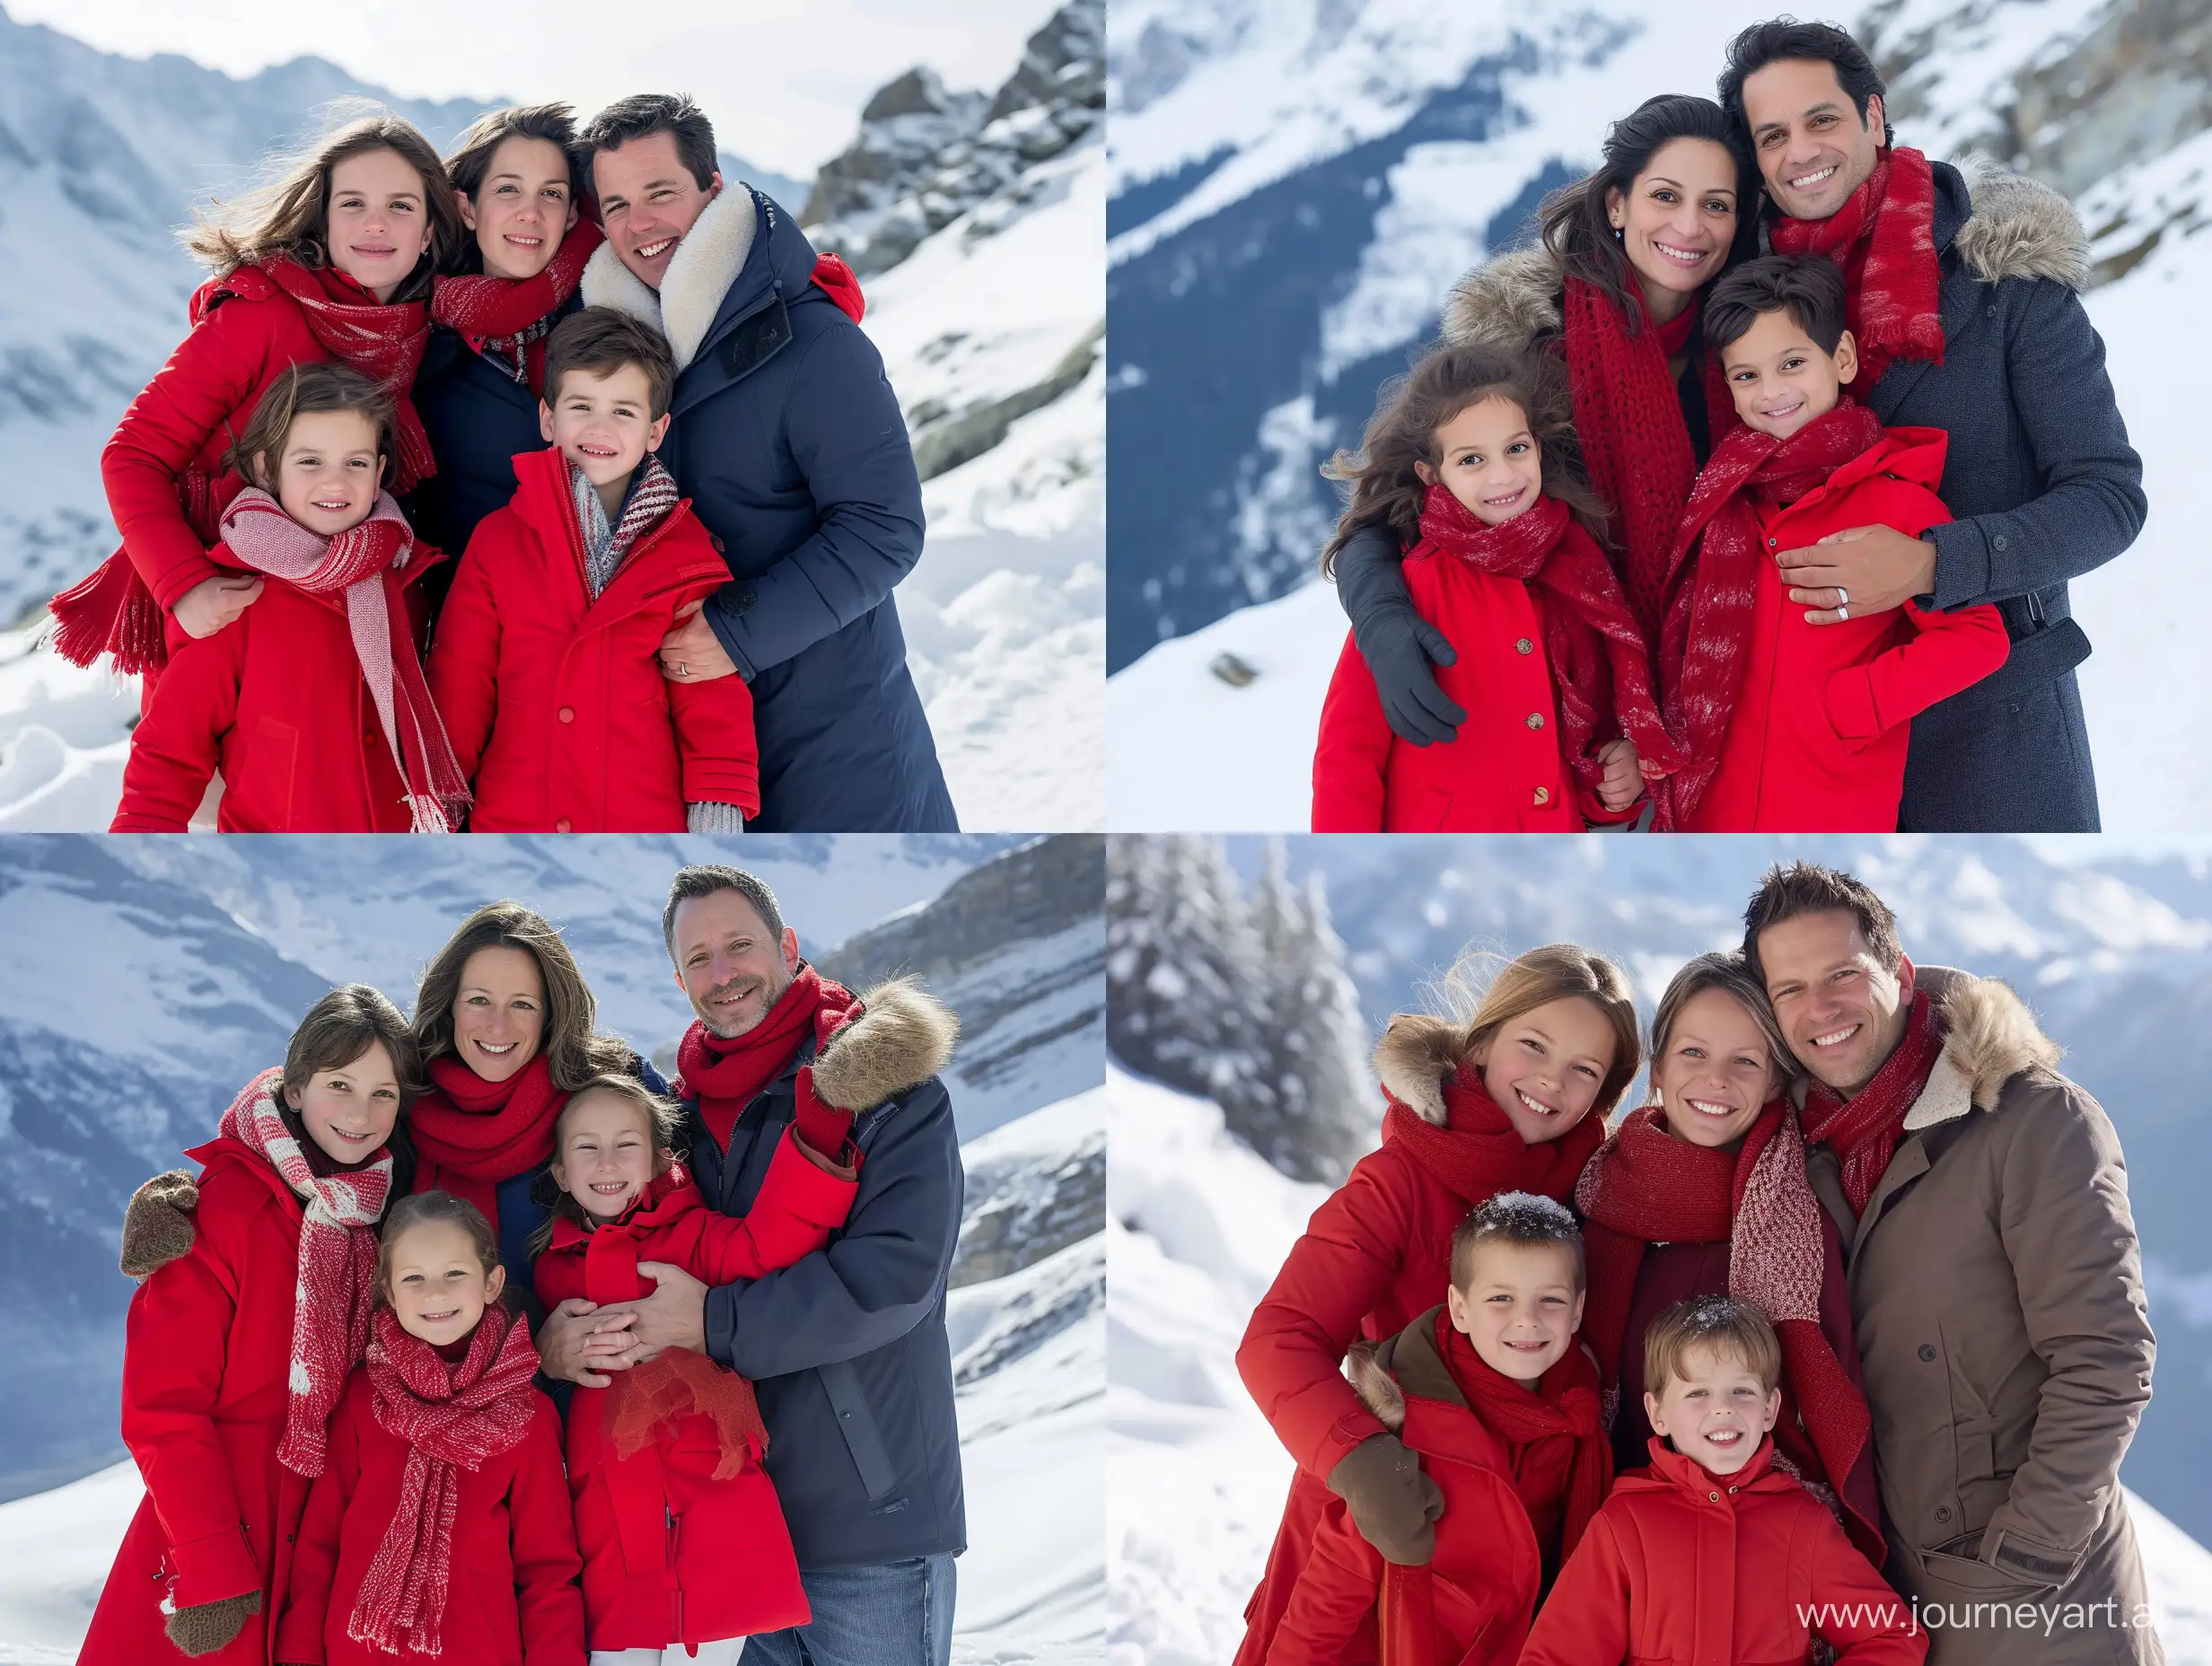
<point x="1521" y="1218"/>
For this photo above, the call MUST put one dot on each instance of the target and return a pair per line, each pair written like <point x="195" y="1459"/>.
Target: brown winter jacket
<point x="1997" y="1291"/>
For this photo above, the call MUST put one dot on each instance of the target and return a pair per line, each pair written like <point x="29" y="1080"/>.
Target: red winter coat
<point x="1680" y="1565"/>
<point x="555" y="704"/>
<point x="1504" y="773"/>
<point x="672" y="1556"/>
<point x="510" y="1594"/>
<point x="205" y="1375"/>
<point x="1816" y="739"/>
<point x="275" y="701"/>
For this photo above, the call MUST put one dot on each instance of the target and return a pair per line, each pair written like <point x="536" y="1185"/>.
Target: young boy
<point x="1712" y="1535"/>
<point x="1500" y="1405"/>
<point x="546" y="662"/>
<point x="1795" y="726"/>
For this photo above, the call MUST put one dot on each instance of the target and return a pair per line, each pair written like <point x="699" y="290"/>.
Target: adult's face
<point x="1841" y="1010"/>
<point x="1678" y="218"/>
<point x="1715" y="1075"/>
<point x="647" y="200"/>
<point x="523" y="209"/>
<point x="731" y="966"/>
<point x="499" y="1012"/>
<point x="1813" y="150"/>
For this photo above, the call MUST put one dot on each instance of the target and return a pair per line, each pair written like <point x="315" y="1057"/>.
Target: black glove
<point x="1397" y="643"/>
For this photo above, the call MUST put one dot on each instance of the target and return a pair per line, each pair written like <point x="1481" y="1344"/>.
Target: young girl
<point x="1465" y="461"/>
<point x="440" y="1527"/>
<point x="666" y="1463"/>
<point x="1703" y="1192"/>
<point x="239" y="1347"/>
<point x="314" y="706"/>
<point x="332" y="260"/>
<point x="1510" y="1098"/>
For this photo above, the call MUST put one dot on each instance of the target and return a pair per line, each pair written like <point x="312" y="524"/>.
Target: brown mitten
<point x="1393" y="1503"/>
<point x="157" y="1226"/>
<point x="206" y="1626"/>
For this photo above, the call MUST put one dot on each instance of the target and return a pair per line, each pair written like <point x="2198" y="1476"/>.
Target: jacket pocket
<point x="856" y="1423"/>
<point x="272" y="766"/>
<point x="1957" y="1567"/>
<point x="1432" y="813"/>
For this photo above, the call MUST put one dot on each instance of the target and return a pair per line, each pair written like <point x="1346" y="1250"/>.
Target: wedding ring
<point x="1842" y="614"/>
<point x="1843" y="597"/>
<point x="683" y="670"/>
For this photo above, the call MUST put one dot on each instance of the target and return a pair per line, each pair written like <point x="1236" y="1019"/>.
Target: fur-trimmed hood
<point x="1990" y="1037"/>
<point x="1414" y="1059"/>
<point x="903" y="1037"/>
<point x="699" y="273"/>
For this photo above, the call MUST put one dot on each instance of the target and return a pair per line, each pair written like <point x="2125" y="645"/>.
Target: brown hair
<point x="291" y="212"/>
<point x="600" y="341"/>
<point x="1514" y="1218"/>
<point x="1718" y="1322"/>
<point x="1806" y="888"/>
<point x="303" y="391"/>
<point x="704" y="880"/>
<point x="647" y="113"/>
<point x="340" y="1028"/>
<point x="1728" y="973"/>
<point x="664" y="1123"/>
<point x="1808" y="287"/>
<point x="422" y="1209"/>
<point x="575" y="1052"/>
<point x="1554" y="972"/>
<point x="471" y="160"/>
<point x="1386" y="486"/>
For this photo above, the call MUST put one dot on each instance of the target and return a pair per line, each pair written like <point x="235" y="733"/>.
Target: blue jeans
<point x="894" y="1614"/>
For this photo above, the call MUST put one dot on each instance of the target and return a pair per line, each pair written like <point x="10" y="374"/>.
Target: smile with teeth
<point x="1805" y="182"/>
<point x="351" y="1139"/>
<point x="521" y="242"/>
<point x="1835" y="1036"/>
<point x="499" y="1050"/>
<point x="1537" y="1105"/>
<point x="654" y="252"/>
<point x="1708" y="1107"/>
<point x="610" y="1188"/>
<point x="1513" y="496"/>
<point x="1777" y="412"/>
<point x="1681" y="257"/>
<point x="589" y="450"/>
<point x="331" y="504"/>
<point x="1724" y="1437"/>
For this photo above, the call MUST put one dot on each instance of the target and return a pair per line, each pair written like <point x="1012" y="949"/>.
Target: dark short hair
<point x="600" y="341"/>
<point x="1782" y="38"/>
<point x="644" y="114"/>
<point x="1718" y="1322"/>
<point x="303" y="391"/>
<point x="1514" y="1218"/>
<point x="1809" y="288"/>
<point x="704" y="880"/>
<point x="1807" y="888"/>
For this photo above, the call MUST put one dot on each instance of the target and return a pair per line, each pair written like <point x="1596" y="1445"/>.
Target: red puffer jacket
<point x="205" y="1375"/>
<point x="277" y="703"/>
<point x="555" y="702"/>
<point x="1679" y="1564"/>
<point x="510" y="1593"/>
<point x="672" y="1556"/>
<point x="1816" y="739"/>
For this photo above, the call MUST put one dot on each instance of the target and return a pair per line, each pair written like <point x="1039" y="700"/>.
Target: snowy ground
<point x="1197" y="1226"/>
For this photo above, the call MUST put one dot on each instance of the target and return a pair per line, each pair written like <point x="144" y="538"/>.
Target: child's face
<point x="1718" y="1072"/>
<point x="604" y="425"/>
<point x="1780" y="378"/>
<point x="1713" y="1411"/>
<point x="439" y="1288"/>
<point x="498" y="1011"/>
<point x="350" y="1111"/>
<point x="378" y="221"/>
<point x="331" y="471"/>
<point x="1545" y="1067"/>
<point x="606" y="1157"/>
<point x="1491" y="463"/>
<point x="1519" y="1307"/>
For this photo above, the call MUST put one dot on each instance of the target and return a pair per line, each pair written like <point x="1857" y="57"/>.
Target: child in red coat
<point x="1465" y="462"/>
<point x="241" y="1338"/>
<point x="1712" y="1542"/>
<point x="1500" y="1405"/>
<point x="440" y="1527"/>
<point x="1512" y="1099"/>
<point x="684" y="1542"/>
<point x="313" y="705"/>
<point x="1790" y="727"/>
<point x="547" y="660"/>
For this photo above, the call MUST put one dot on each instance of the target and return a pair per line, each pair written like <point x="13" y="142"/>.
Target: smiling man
<point x="1996" y="1288"/>
<point x="789" y="441"/>
<point x="1964" y="304"/>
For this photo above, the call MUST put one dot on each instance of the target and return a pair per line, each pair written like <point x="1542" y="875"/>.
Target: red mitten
<point x="826" y="1129"/>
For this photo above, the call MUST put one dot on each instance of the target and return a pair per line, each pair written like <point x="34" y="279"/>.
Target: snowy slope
<point x="1199" y="1227"/>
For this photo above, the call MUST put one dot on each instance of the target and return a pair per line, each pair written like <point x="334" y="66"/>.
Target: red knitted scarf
<point x="1884" y="238"/>
<point x="1864" y="1129"/>
<point x="1644" y="1187"/>
<point x="1479" y="1153"/>
<point x="505" y="320"/>
<point x="381" y="339"/>
<point x="452" y="1418"/>
<point x="724" y="1075"/>
<point x="1601" y="665"/>
<point x="1628" y="419"/>
<point x="1555" y="1437"/>
<point x="362" y="565"/>
<point x="337" y="1272"/>
<point x="1713" y="582"/>
<point x="471" y="1134"/>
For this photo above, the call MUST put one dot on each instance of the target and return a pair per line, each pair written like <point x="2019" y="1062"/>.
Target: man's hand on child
<point x="692" y="652"/>
<point x="1623" y="779"/>
<point x="1859" y="571"/>
<point x="214" y="602"/>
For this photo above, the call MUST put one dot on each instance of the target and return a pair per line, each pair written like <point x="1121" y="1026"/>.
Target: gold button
<point x="1536" y="720"/>
<point x="1524" y="646"/>
<point x="1543" y="796"/>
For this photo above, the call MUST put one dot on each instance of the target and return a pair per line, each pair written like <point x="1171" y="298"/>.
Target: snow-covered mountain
<point x="1295" y="184"/>
<point x="981" y="239"/>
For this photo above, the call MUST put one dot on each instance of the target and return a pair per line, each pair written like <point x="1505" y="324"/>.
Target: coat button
<point x="1713" y="1497"/>
<point x="567" y="714"/>
<point x="1770" y="543"/>
<point x="1543" y="796"/>
<point x="1535" y="719"/>
<point x="1927" y="1352"/>
<point x="1943" y="1512"/>
<point x="561" y="826"/>
<point x="1997" y="542"/>
<point x="1524" y="646"/>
